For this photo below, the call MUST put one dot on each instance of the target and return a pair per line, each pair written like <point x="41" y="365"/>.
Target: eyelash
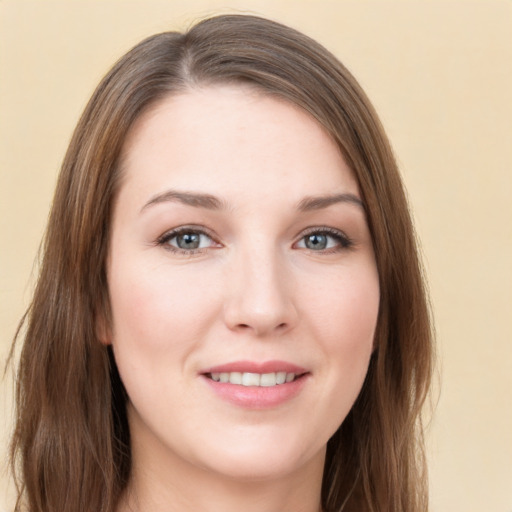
<point x="174" y="233"/>
<point x="343" y="242"/>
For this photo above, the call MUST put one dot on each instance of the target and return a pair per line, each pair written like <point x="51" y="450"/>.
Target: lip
<point x="257" y="397"/>
<point x="256" y="367"/>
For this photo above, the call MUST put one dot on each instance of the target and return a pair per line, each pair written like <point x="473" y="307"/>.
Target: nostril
<point x="259" y="329"/>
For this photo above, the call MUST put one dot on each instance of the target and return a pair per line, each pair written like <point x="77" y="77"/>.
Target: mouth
<point x="251" y="379"/>
<point x="256" y="385"/>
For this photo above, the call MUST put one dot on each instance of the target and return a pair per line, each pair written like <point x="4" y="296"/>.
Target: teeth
<point x="234" y="377"/>
<point x="253" y="379"/>
<point x="250" y="379"/>
<point x="268" y="379"/>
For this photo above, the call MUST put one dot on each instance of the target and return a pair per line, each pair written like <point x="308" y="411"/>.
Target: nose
<point x="260" y="296"/>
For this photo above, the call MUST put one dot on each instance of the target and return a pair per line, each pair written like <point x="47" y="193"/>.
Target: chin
<point x="253" y="460"/>
<point x="258" y="471"/>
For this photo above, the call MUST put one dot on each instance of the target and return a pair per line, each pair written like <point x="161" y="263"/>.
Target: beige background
<point x="439" y="73"/>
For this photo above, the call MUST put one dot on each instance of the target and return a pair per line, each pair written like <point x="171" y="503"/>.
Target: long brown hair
<point x="71" y="446"/>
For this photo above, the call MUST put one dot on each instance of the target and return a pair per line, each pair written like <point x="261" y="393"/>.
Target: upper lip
<point x="256" y="367"/>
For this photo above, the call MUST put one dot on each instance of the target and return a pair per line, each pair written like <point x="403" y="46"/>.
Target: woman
<point x="230" y="311"/>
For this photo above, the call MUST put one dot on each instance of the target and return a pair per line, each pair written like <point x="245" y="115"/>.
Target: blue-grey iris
<point x="316" y="241"/>
<point x="188" y="240"/>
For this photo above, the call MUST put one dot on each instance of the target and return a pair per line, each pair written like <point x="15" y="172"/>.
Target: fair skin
<point x="239" y="248"/>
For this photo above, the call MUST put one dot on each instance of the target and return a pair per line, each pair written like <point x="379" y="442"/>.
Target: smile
<point x="253" y="379"/>
<point x="256" y="385"/>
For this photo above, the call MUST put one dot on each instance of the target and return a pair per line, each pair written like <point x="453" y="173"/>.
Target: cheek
<point x="346" y="307"/>
<point x="344" y="317"/>
<point x="156" y="311"/>
<point x="156" y="326"/>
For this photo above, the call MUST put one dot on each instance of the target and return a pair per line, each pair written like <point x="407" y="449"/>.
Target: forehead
<point x="232" y="139"/>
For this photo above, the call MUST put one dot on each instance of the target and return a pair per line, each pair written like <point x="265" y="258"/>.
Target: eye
<point x="186" y="240"/>
<point x="324" y="239"/>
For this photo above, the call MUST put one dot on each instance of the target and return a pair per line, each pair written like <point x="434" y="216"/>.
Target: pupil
<point x="317" y="242"/>
<point x="188" y="241"/>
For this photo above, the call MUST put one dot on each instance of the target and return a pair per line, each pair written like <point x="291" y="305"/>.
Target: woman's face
<point x="243" y="285"/>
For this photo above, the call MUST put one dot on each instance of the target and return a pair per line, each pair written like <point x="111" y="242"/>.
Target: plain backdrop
<point x="439" y="74"/>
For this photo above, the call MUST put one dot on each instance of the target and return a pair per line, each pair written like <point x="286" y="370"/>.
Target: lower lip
<point x="257" y="397"/>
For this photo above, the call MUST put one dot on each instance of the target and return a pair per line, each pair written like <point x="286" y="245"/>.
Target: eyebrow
<point x="211" y="202"/>
<point x="189" y="198"/>
<point x="319" y="202"/>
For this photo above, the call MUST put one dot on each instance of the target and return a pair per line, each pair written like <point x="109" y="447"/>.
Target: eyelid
<point x="345" y="242"/>
<point x="163" y="239"/>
